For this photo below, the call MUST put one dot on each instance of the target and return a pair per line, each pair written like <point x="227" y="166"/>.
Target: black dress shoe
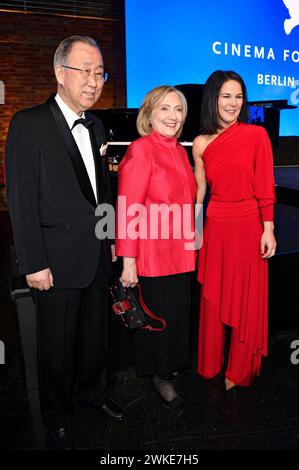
<point x="109" y="407"/>
<point x="177" y="403"/>
<point x="61" y="438"/>
<point x="112" y="409"/>
<point x="165" y="389"/>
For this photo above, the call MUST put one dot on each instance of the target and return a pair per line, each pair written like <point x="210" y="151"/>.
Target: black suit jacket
<point x="50" y="197"/>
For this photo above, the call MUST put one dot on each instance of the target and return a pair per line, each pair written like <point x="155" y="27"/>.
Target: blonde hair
<point x="149" y="103"/>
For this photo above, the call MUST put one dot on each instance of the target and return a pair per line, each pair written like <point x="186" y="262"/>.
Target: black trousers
<point x="162" y="353"/>
<point x="72" y="328"/>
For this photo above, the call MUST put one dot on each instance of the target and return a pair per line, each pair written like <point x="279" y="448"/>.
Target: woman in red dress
<point x="235" y="159"/>
<point x="155" y="174"/>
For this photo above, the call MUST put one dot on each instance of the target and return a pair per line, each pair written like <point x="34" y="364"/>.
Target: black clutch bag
<point x="128" y="304"/>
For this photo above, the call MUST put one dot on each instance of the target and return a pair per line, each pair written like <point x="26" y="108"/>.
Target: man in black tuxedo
<point x="56" y="176"/>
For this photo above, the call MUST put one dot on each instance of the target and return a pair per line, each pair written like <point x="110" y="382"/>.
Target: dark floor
<point x="263" y="416"/>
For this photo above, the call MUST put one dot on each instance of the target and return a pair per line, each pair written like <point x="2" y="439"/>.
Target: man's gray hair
<point x="64" y="48"/>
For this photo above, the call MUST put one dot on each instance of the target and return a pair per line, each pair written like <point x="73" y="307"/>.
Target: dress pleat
<point x="233" y="274"/>
<point x="157" y="352"/>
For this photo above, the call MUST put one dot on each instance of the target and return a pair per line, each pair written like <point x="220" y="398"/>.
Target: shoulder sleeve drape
<point x="263" y="177"/>
<point x="134" y="178"/>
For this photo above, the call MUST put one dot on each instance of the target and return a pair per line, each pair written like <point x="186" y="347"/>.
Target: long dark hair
<point x="209" y="116"/>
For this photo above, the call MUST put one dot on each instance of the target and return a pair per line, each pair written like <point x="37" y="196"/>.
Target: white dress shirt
<point x="82" y="138"/>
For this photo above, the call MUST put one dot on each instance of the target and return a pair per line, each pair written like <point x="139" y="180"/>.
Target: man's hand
<point x="41" y="280"/>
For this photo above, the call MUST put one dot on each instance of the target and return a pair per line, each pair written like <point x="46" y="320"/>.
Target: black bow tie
<point x="86" y="122"/>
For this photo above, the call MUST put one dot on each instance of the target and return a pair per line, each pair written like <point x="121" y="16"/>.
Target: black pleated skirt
<point x="162" y="353"/>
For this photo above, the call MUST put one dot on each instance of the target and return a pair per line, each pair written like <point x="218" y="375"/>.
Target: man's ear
<point x="59" y="74"/>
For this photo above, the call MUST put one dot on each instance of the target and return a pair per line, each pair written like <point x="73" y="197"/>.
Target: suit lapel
<point x="96" y="142"/>
<point x="70" y="143"/>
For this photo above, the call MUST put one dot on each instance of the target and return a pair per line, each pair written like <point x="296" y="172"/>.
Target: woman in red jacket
<point x="235" y="159"/>
<point x="158" y="188"/>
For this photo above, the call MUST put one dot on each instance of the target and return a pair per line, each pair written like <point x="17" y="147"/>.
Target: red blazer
<point x="155" y="171"/>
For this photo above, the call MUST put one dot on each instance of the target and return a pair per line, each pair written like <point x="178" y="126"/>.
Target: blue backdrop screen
<point x="179" y="42"/>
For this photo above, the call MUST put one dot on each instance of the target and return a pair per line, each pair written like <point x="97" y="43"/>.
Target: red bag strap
<point x="150" y="314"/>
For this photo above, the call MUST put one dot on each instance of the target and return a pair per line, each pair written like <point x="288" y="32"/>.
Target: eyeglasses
<point x="85" y="73"/>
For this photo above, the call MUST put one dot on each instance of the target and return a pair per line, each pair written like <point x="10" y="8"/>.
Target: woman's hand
<point x="268" y="242"/>
<point x="129" y="276"/>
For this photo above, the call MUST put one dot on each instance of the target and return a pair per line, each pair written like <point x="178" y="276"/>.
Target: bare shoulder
<point x="199" y="144"/>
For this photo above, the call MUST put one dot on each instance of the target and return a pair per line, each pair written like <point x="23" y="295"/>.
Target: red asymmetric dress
<point x="234" y="277"/>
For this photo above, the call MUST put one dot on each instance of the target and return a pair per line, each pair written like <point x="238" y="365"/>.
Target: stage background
<point x="182" y="42"/>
